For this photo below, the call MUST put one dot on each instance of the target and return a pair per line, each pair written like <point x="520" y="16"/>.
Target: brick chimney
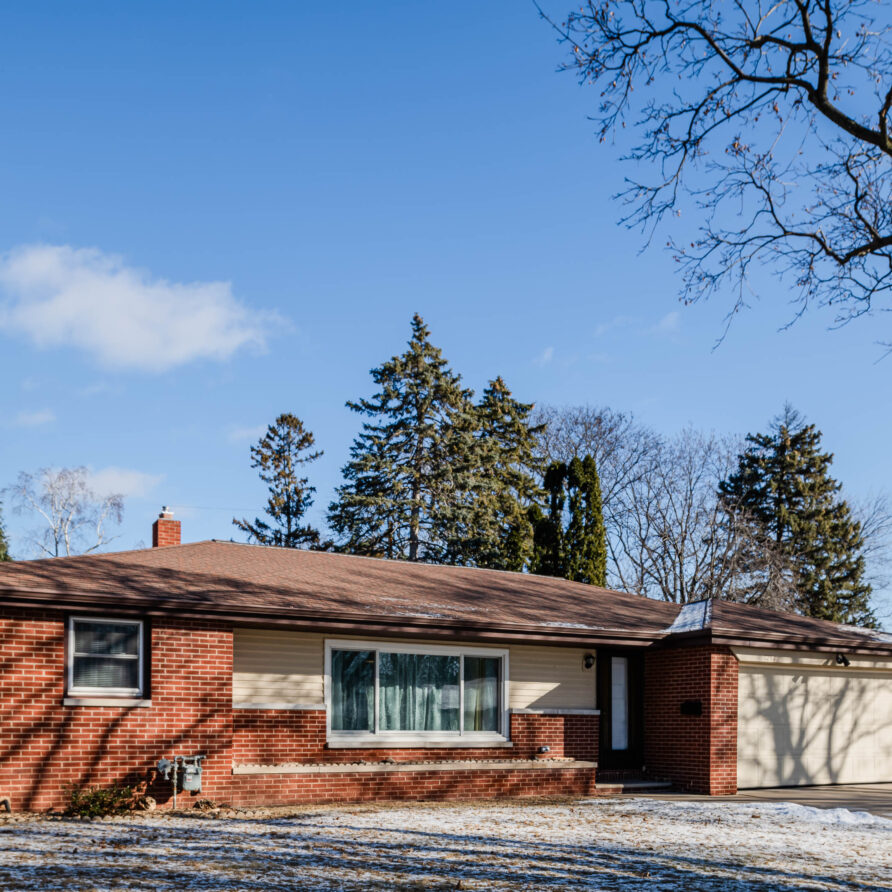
<point x="165" y="530"/>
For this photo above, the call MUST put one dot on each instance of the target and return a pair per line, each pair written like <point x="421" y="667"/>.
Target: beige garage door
<point x="803" y="720"/>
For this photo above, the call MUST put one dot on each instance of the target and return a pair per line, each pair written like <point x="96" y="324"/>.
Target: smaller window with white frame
<point x="105" y="657"/>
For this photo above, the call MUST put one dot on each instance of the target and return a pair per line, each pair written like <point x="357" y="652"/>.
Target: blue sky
<point x="277" y="187"/>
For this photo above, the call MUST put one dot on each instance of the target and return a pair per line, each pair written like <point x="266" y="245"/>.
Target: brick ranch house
<point x="308" y="676"/>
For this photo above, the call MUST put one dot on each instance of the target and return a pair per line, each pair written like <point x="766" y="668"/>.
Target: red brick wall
<point x="696" y="753"/>
<point x="293" y="789"/>
<point x="271" y="737"/>
<point x="45" y="745"/>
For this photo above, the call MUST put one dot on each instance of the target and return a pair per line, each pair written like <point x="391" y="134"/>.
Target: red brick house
<point x="307" y="676"/>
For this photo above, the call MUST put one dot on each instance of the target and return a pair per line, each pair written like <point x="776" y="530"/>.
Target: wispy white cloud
<point x="246" y="434"/>
<point x="123" y="317"/>
<point x="670" y="324"/>
<point x="545" y="356"/>
<point x="123" y="481"/>
<point x="34" y="419"/>
<point x="99" y="388"/>
<point x="613" y="324"/>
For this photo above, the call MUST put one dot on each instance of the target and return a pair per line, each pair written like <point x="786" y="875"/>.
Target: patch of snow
<point x="611" y="844"/>
<point x="744" y="811"/>
<point x="692" y="617"/>
<point x="556" y="625"/>
<point x="867" y="633"/>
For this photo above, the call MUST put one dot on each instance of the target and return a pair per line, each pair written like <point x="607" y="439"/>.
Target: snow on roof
<point x="693" y="617"/>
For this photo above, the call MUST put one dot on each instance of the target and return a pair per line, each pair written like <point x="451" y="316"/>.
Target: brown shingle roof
<point x="279" y="584"/>
<point x="729" y="618"/>
<point x="224" y="576"/>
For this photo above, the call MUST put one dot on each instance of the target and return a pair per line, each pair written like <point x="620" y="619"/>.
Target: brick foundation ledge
<point x="378" y="767"/>
<point x="298" y="784"/>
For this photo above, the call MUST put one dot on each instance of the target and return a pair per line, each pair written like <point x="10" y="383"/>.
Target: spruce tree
<point x="4" y="544"/>
<point x="782" y="483"/>
<point x="409" y="463"/>
<point x="279" y="456"/>
<point x="490" y="527"/>
<point x="586" y="537"/>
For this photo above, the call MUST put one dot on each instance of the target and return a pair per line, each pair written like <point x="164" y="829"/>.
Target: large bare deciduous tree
<point x="668" y="535"/>
<point x="74" y="518"/>
<point x="770" y="120"/>
<point x="619" y="444"/>
<point x="675" y="539"/>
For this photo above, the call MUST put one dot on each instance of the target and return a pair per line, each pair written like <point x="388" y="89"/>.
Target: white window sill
<point x="106" y="701"/>
<point x="283" y="707"/>
<point x="377" y="742"/>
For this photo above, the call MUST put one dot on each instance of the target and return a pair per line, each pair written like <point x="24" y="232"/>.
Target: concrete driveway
<point x="874" y="798"/>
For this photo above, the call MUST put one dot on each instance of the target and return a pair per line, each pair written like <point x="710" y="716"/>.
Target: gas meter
<point x="189" y="767"/>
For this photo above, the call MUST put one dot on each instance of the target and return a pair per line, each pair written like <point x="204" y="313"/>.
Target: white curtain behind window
<point x="352" y="690"/>
<point x="482" y="693"/>
<point x="418" y="692"/>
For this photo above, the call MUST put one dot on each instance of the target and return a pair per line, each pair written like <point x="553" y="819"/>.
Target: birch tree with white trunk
<point x="72" y="518"/>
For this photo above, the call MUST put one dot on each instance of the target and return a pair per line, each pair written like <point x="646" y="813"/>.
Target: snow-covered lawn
<point x="594" y="844"/>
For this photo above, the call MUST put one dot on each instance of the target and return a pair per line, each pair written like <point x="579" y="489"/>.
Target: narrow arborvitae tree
<point x="570" y="537"/>
<point x="279" y="457"/>
<point x="4" y="543"/>
<point x="549" y="555"/>
<point x="586" y="537"/>
<point x="491" y="526"/>
<point x="783" y="484"/>
<point x="407" y="466"/>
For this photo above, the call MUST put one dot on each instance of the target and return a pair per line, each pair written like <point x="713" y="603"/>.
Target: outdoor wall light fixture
<point x="588" y="661"/>
<point x="842" y="660"/>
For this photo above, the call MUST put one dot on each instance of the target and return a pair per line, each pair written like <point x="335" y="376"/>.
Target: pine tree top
<point x="783" y="485"/>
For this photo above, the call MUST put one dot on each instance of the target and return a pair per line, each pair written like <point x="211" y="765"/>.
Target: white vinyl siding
<point x="276" y="668"/>
<point x="550" y="678"/>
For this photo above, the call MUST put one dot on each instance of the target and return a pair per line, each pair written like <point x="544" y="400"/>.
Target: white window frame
<point x="377" y="738"/>
<point x="105" y="692"/>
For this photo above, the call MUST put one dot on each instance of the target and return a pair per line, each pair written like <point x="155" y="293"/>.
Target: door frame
<point x="633" y="756"/>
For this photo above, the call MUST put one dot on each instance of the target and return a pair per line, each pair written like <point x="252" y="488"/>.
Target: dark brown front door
<point x="620" y="699"/>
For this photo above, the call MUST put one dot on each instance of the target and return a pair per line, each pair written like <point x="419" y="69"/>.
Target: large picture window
<point x="105" y="657"/>
<point x="403" y="692"/>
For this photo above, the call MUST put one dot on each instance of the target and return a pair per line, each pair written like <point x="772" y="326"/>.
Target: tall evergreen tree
<point x="279" y="456"/>
<point x="409" y="461"/>
<point x="4" y="544"/>
<point x="491" y="527"/>
<point x="586" y="536"/>
<point x="549" y="554"/>
<point x="570" y="537"/>
<point x="783" y="484"/>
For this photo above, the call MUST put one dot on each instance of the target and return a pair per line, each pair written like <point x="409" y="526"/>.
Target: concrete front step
<point x="635" y="786"/>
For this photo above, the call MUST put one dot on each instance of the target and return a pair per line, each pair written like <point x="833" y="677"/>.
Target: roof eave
<point x="777" y="641"/>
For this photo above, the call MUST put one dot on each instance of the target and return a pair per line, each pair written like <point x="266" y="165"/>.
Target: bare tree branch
<point x="770" y="120"/>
